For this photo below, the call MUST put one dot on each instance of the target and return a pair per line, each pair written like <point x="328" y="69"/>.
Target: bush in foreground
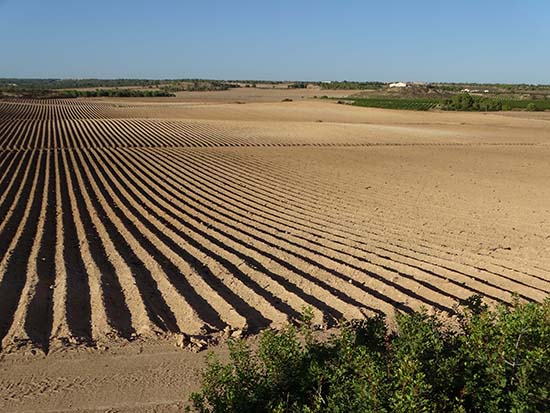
<point x="494" y="361"/>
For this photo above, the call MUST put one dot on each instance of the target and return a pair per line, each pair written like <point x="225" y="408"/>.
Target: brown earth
<point x="124" y="223"/>
<point x="264" y="93"/>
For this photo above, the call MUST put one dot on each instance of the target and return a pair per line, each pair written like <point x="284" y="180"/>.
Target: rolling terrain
<point x="116" y="227"/>
<point x="124" y="223"/>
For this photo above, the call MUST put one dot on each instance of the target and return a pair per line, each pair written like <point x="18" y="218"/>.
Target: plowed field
<point x="124" y="221"/>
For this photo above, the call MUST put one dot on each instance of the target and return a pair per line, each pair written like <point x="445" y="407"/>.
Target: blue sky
<point x="482" y="41"/>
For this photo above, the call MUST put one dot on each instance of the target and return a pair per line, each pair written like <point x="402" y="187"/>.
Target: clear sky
<point x="423" y="40"/>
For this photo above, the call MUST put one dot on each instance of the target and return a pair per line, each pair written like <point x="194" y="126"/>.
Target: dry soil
<point x="124" y="223"/>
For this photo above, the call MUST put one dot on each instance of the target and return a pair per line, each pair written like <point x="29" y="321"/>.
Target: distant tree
<point x="467" y="102"/>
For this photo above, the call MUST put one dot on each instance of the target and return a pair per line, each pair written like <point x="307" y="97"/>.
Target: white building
<point x="398" y="84"/>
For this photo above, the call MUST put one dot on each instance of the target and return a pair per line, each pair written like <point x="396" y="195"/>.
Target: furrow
<point x="303" y="251"/>
<point x="84" y="275"/>
<point x="140" y="322"/>
<point x="246" y="310"/>
<point x="256" y="200"/>
<point x="214" y="247"/>
<point x="283" y="262"/>
<point x="187" y="315"/>
<point x="14" y="264"/>
<point x="35" y="297"/>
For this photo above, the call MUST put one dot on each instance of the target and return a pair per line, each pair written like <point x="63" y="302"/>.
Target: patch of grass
<point x="527" y="104"/>
<point x="459" y="102"/>
<point x="496" y="361"/>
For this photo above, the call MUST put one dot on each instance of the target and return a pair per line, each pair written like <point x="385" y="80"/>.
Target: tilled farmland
<point x="115" y="226"/>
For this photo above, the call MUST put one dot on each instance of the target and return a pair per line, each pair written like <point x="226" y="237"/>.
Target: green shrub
<point x="493" y="361"/>
<point x="467" y="102"/>
<point x="531" y="107"/>
<point x="458" y="102"/>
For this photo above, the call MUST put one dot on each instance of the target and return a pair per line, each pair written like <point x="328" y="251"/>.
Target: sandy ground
<point x="128" y="222"/>
<point x="246" y="95"/>
<point x="131" y="378"/>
